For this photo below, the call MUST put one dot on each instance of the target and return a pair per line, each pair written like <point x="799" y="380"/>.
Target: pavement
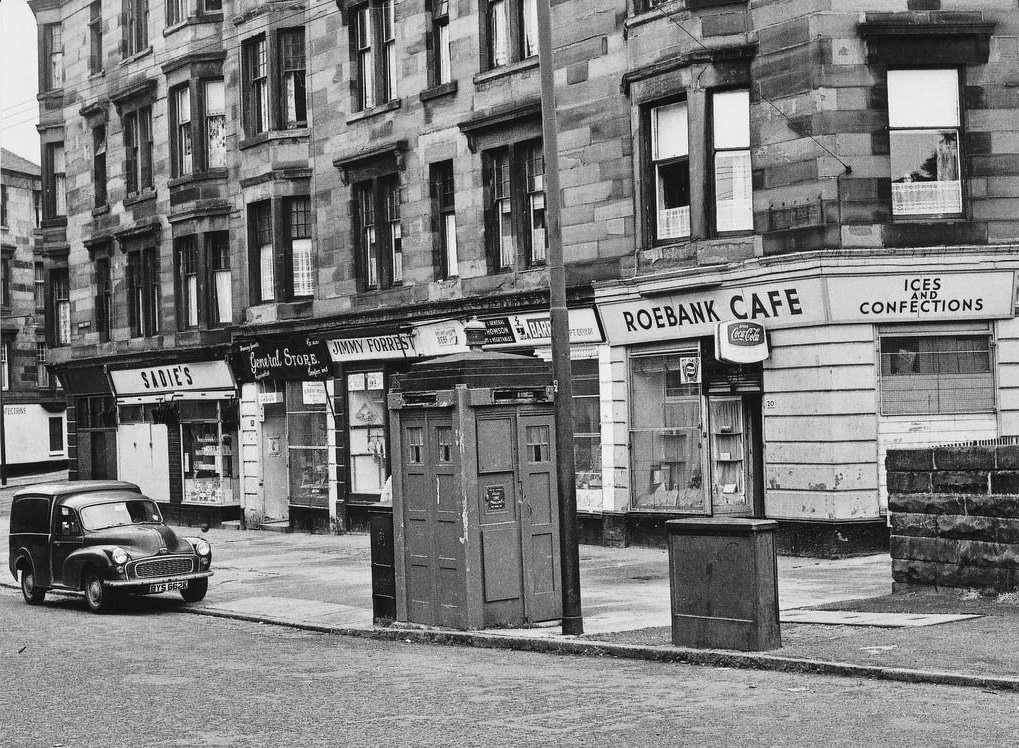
<point x="838" y="617"/>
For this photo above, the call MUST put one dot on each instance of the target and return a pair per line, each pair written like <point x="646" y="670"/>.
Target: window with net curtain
<point x="924" y="121"/>
<point x="670" y="156"/>
<point x="730" y="127"/>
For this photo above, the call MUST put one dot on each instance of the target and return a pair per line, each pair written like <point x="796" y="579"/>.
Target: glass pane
<point x="304" y="281"/>
<point x="731" y="119"/>
<point x="925" y="172"/>
<point x="223" y="296"/>
<point x="366" y="407"/>
<point x="734" y="204"/>
<point x="268" y="287"/>
<point x="452" y="263"/>
<point x="309" y="477"/>
<point x="670" y="131"/>
<point x="923" y="98"/>
<point x="530" y="28"/>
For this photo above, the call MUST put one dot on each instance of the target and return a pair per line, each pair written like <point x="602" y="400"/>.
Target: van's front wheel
<point x="98" y="597"/>
<point x="33" y="595"/>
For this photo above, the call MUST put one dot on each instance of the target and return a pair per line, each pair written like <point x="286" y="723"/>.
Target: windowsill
<point x="140" y="197"/>
<point x="198" y="20"/>
<point x="100" y="210"/>
<point x="53" y="93"/>
<point x="261" y="138"/>
<point x="932" y="218"/>
<point x="531" y="63"/>
<point x="175" y="27"/>
<point x="137" y="56"/>
<point x="97" y="75"/>
<point x="219" y="172"/>
<point x="389" y="106"/>
<point x="438" y="92"/>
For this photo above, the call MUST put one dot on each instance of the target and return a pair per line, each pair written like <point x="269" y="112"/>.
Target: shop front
<point x="774" y="390"/>
<point x="287" y="431"/>
<point x="176" y="437"/>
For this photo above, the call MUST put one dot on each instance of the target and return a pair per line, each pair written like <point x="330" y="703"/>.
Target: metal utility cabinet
<point x="475" y="506"/>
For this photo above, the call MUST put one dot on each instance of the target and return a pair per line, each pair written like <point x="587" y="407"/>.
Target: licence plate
<point x="167" y="586"/>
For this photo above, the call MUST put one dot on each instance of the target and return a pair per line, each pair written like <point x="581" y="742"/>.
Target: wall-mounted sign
<point x="372" y="348"/>
<point x="282" y="358"/>
<point x="922" y="296"/>
<point x="739" y="342"/>
<point x="535" y="328"/>
<point x="439" y="338"/>
<point x="192" y="381"/>
<point x="495" y="499"/>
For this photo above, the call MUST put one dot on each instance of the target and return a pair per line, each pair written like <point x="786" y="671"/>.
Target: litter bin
<point x="724" y="582"/>
<point x="380" y="517"/>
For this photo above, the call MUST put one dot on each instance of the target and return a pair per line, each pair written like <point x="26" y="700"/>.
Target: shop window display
<point x="367" y="407"/>
<point x="307" y="426"/>
<point x="665" y="434"/>
<point x="207" y="451"/>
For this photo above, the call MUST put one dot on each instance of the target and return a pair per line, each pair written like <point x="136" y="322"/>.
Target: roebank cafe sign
<point x="836" y="299"/>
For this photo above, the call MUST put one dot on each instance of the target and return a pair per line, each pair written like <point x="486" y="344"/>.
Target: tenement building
<point x="32" y="403"/>
<point x="790" y="229"/>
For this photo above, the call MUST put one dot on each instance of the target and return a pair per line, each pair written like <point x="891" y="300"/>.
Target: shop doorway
<point x="735" y="455"/>
<point x="275" y="464"/>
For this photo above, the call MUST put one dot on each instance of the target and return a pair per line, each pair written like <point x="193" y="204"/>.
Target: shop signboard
<point x="922" y="296"/>
<point x="440" y="338"/>
<point x="195" y="380"/>
<point x="372" y="347"/>
<point x="294" y="358"/>
<point x="741" y="342"/>
<point x="535" y="328"/>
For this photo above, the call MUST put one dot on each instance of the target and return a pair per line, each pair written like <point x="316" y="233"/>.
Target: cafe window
<point x="930" y="374"/>
<point x="666" y="472"/>
<point x="924" y="123"/>
<point x="366" y="405"/>
<point x="307" y="439"/>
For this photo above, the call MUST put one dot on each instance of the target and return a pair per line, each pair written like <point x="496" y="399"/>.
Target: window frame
<point x="957" y="128"/>
<point x="208" y="116"/>
<point x="176" y="12"/>
<point x="440" y="68"/>
<point x="187" y="264"/>
<point x="42" y="375"/>
<point x="653" y="164"/>
<point x="143" y="291"/>
<point x="100" y="148"/>
<point x="5" y="280"/>
<point x="103" y="271"/>
<point x="95" y="38"/>
<point x="442" y="183"/>
<point x="716" y="150"/>
<point x="216" y="246"/>
<point x="266" y="69"/>
<point x="378" y="232"/>
<point x="138" y="150"/>
<point x="4" y="199"/>
<point x="60" y="282"/>
<point x="53" y="57"/>
<point x="373" y="54"/>
<point x="297" y="223"/>
<point x="135" y="38"/>
<point x="255" y="72"/>
<point x="508" y="206"/>
<point x="54" y="181"/>
<point x="290" y="71"/>
<point x="519" y="41"/>
<point x="5" y="366"/>
<point x="181" y="131"/>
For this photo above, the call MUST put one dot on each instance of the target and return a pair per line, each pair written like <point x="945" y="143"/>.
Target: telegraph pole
<point x="573" y="622"/>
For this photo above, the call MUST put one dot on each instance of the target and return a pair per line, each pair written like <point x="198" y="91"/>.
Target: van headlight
<point x="120" y="556"/>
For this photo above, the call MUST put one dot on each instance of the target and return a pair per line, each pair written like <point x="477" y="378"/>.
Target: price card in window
<point x="355" y="382"/>
<point x="314" y="393"/>
<point x="373" y="380"/>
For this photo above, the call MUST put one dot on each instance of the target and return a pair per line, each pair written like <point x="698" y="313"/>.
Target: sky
<point x="19" y="80"/>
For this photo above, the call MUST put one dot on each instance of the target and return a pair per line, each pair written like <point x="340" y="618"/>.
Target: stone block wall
<point x="954" y="515"/>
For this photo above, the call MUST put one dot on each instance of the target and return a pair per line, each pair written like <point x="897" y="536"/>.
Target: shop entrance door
<point x="730" y="450"/>
<point x="143" y="457"/>
<point x="275" y="464"/>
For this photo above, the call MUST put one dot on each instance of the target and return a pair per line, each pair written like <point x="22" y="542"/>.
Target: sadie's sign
<point x="195" y="379"/>
<point x="740" y="342"/>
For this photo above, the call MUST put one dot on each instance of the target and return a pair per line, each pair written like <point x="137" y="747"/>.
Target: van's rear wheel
<point x="33" y="595"/>
<point x="98" y="597"/>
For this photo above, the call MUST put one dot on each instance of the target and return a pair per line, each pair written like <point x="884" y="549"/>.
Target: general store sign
<point x="197" y="380"/>
<point x="291" y="358"/>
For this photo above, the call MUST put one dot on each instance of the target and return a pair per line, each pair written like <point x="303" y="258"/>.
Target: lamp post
<point x="572" y="621"/>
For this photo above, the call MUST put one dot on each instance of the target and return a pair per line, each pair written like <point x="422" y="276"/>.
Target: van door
<point x="30" y="531"/>
<point x="67" y="538"/>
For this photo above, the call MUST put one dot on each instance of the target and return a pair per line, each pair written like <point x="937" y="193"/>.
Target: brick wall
<point x="955" y="516"/>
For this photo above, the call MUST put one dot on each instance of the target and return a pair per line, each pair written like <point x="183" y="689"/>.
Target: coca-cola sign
<point x="746" y="334"/>
<point x="741" y="342"/>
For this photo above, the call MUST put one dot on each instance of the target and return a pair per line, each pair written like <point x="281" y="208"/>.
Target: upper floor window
<point x="53" y="51"/>
<point x="441" y="69"/>
<point x="275" y="90"/>
<point x="54" y="181"/>
<point x="180" y="130"/>
<point x="187" y="267"/>
<point x="514" y="177"/>
<point x="135" y="27"/>
<point x="256" y="86"/>
<point x="104" y="298"/>
<point x="37" y="208"/>
<point x="444" y="219"/>
<point x="293" y="93"/>
<point x="512" y="27"/>
<point x="924" y="142"/>
<point x="217" y="251"/>
<point x="215" y="124"/>
<point x="138" y="150"/>
<point x="288" y="273"/>
<point x="670" y="163"/>
<point x="61" y="285"/>
<point x="95" y="37"/>
<point x="5" y="370"/>
<point x="5" y="282"/>
<point x="176" y="12"/>
<point x="379" y="235"/>
<point x="734" y="198"/>
<point x="143" y="297"/>
<point x="3" y="204"/>
<point x="212" y="6"/>
<point x="42" y="375"/>
<point x="203" y="280"/>
<point x="40" y="287"/>
<point x="373" y="41"/>
<point x="99" y="165"/>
